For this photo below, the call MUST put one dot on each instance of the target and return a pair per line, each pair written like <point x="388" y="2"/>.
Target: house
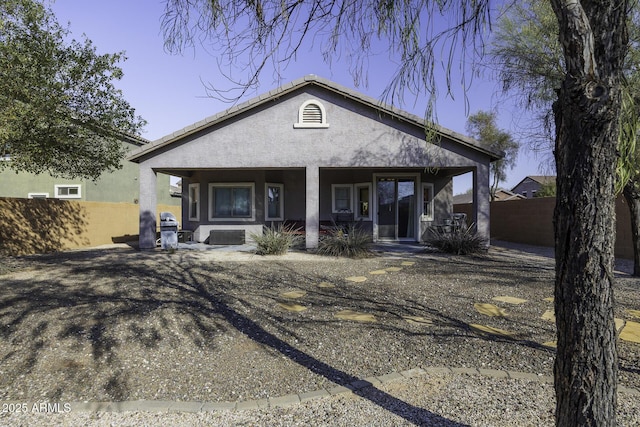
<point x="118" y="186"/>
<point x="308" y="152"/>
<point x="530" y="185"/>
<point x="500" y="196"/>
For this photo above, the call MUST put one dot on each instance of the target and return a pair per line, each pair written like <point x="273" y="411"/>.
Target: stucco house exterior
<point x="308" y="152"/>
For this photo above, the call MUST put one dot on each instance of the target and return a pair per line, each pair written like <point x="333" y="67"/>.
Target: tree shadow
<point x="32" y="226"/>
<point x="82" y="298"/>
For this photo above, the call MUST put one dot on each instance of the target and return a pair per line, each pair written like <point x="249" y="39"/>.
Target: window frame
<point x="280" y="201"/>
<point x="430" y="214"/>
<point x="301" y="124"/>
<point x="58" y="187"/>
<point x="196" y="187"/>
<point x="356" y="195"/>
<point x="334" y="187"/>
<point x="250" y="185"/>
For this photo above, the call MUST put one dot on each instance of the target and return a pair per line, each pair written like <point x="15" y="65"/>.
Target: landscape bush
<point x="351" y="242"/>
<point x="460" y="241"/>
<point x="277" y="240"/>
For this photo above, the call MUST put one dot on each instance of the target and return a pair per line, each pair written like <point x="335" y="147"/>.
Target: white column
<point x="148" y="201"/>
<point x="312" y="220"/>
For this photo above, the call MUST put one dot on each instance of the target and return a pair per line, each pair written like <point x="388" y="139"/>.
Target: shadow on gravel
<point x="90" y="303"/>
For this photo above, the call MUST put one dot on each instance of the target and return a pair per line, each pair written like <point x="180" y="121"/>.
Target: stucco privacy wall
<point x="530" y="221"/>
<point x="31" y="226"/>
<point x="261" y="134"/>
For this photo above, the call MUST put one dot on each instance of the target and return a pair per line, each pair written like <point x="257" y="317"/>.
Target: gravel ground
<point x="121" y="325"/>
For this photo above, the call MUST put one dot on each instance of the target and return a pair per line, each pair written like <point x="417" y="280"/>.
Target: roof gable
<point x="147" y="150"/>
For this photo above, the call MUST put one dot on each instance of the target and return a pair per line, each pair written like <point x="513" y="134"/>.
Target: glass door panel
<point x="386" y="208"/>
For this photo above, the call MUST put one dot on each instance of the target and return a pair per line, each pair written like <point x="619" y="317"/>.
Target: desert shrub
<point x="277" y="240"/>
<point x="351" y="242"/>
<point x="462" y="241"/>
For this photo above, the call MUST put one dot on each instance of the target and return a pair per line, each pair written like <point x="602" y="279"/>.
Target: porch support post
<point x="148" y="201"/>
<point x="481" y="200"/>
<point x="312" y="219"/>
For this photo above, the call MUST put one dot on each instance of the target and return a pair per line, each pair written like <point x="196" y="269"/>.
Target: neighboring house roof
<point x="501" y="196"/>
<point x="460" y="199"/>
<point x="504" y="195"/>
<point x="540" y="179"/>
<point x="138" y="154"/>
<point x="134" y="139"/>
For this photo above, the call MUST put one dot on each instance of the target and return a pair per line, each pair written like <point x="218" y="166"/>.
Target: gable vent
<point x="312" y="114"/>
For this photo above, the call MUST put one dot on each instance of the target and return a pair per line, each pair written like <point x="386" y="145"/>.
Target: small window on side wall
<point x="312" y="115"/>
<point x="194" y="202"/>
<point x="68" y="191"/>
<point x="427" y="201"/>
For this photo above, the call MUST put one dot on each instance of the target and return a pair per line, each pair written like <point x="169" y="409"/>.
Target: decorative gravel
<point x="121" y="325"/>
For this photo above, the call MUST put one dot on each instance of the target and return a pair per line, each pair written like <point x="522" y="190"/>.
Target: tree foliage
<point x="252" y="36"/>
<point x="528" y="59"/>
<point x="60" y="112"/>
<point x="548" y="189"/>
<point x="482" y="126"/>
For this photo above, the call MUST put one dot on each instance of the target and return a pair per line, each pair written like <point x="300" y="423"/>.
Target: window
<point x="341" y="198"/>
<point x="363" y="201"/>
<point x="67" y="191"/>
<point x="274" y="202"/>
<point x="231" y="201"/>
<point x="194" y="202"/>
<point x="524" y="193"/>
<point x="311" y="114"/>
<point x="38" y="195"/>
<point x="427" y="201"/>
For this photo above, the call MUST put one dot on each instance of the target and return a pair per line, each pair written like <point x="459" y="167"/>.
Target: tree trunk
<point x="632" y="196"/>
<point x="585" y="370"/>
<point x="586" y="115"/>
